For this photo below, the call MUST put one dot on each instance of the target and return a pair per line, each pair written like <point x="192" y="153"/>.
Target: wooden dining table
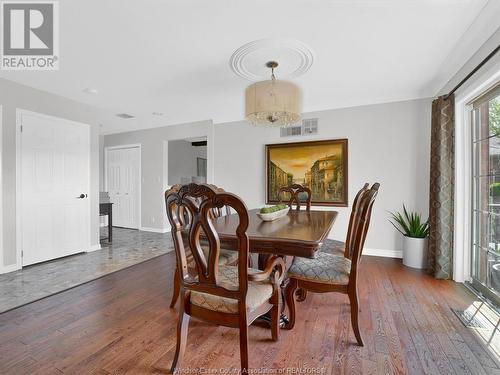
<point x="299" y="233"/>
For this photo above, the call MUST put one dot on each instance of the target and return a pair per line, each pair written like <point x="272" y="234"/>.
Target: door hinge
<point x="22" y="253"/>
<point x="21" y="128"/>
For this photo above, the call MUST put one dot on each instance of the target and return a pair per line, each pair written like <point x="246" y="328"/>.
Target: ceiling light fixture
<point x="272" y="103"/>
<point x="157" y="113"/>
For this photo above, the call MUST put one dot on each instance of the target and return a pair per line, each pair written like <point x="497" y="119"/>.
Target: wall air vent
<point x="125" y="116"/>
<point x="307" y="127"/>
<point x="310" y="126"/>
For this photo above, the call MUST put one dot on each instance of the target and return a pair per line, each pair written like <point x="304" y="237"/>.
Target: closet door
<point x="123" y="185"/>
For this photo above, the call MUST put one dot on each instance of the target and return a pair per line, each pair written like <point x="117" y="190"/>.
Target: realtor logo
<point x="30" y="38"/>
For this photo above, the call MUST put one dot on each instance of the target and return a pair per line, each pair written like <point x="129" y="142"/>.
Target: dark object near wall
<point x="106" y="209"/>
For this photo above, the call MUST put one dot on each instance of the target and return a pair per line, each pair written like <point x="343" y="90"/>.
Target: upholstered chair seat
<point x="324" y="268"/>
<point x="334" y="247"/>
<point x="258" y="292"/>
<point x="226" y="256"/>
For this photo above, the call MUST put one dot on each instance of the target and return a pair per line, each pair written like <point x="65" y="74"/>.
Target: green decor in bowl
<point x="273" y="212"/>
<point x="270" y="209"/>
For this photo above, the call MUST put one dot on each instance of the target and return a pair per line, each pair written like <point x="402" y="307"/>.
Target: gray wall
<point x="12" y="96"/>
<point x="154" y="164"/>
<point x="388" y="143"/>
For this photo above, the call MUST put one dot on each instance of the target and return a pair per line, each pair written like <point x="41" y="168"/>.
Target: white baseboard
<point x="383" y="253"/>
<point x="155" y="230"/>
<point x="94" y="248"/>
<point x="10" y="268"/>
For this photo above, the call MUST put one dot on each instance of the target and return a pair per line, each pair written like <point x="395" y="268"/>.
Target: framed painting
<point x="319" y="165"/>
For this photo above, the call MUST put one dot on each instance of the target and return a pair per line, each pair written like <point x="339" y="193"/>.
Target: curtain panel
<point x="442" y="188"/>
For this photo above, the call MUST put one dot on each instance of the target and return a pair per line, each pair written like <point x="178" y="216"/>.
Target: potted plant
<point x="415" y="232"/>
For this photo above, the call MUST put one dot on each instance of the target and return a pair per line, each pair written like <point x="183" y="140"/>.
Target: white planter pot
<point x="415" y="252"/>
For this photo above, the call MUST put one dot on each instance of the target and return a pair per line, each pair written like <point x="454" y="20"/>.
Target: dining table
<point x="300" y="233"/>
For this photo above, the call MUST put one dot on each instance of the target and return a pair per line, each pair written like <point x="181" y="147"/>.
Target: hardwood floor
<point x="122" y="324"/>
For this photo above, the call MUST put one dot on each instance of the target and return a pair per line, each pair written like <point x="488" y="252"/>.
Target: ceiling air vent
<point x="307" y="127"/>
<point x="125" y="116"/>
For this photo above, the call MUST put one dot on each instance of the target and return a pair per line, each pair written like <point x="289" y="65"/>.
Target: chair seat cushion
<point x="257" y="294"/>
<point x="325" y="268"/>
<point x="226" y="256"/>
<point x="334" y="247"/>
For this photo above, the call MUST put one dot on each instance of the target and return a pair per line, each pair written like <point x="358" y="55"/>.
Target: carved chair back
<point x="360" y="227"/>
<point x="294" y="191"/>
<point x="352" y="221"/>
<point x="199" y="201"/>
<point x="220" y="211"/>
<point x="184" y="215"/>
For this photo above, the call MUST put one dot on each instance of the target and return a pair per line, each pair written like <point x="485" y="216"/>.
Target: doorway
<point x="187" y="161"/>
<point x="123" y="183"/>
<point x="53" y="187"/>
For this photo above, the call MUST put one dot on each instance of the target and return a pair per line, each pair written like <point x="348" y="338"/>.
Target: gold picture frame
<point x="319" y="165"/>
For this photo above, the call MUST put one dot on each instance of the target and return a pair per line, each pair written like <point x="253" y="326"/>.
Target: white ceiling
<point x="172" y="56"/>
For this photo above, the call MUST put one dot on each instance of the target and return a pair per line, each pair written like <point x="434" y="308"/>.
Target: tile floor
<point x="129" y="247"/>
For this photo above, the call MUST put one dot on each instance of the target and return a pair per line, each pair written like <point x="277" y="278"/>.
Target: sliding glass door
<point x="486" y="195"/>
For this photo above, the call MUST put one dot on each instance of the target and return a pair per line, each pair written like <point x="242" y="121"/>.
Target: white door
<point x="55" y="208"/>
<point x="123" y="176"/>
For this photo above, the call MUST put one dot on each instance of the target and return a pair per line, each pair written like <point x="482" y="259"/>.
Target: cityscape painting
<point x="319" y="165"/>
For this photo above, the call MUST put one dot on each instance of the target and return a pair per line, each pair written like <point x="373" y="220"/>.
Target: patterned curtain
<point x="442" y="186"/>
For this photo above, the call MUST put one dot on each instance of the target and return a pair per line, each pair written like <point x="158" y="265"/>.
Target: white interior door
<point x="55" y="208"/>
<point x="123" y="176"/>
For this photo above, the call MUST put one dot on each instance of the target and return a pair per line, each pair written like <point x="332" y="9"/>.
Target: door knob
<point x="82" y="196"/>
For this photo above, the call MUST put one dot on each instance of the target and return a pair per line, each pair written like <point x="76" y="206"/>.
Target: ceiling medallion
<point x="272" y="103"/>
<point x="294" y="56"/>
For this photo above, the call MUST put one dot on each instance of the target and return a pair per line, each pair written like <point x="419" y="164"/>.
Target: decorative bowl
<point x="273" y="215"/>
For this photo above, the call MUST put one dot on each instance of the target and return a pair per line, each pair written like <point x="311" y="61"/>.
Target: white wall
<point x="154" y="164"/>
<point x="101" y="163"/>
<point x="388" y="143"/>
<point x="182" y="160"/>
<point x="478" y="56"/>
<point x="13" y="96"/>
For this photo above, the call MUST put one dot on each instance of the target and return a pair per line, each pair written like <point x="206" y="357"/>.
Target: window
<point x="486" y="194"/>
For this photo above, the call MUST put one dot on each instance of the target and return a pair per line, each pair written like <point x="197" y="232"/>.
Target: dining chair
<point x="294" y="190"/>
<point x="232" y="296"/>
<point x="339" y="247"/>
<point x="333" y="273"/>
<point x="226" y="257"/>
